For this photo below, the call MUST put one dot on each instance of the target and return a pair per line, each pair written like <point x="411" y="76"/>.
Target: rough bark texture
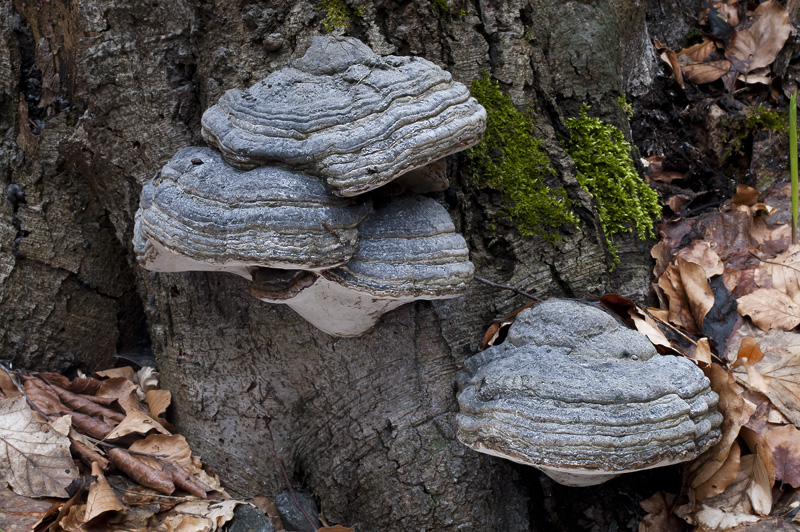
<point x="96" y="95"/>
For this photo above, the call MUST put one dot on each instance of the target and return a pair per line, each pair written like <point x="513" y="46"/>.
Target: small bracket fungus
<point x="584" y="399"/>
<point x="347" y="115"/>
<point x="210" y="216"/>
<point x="407" y="250"/>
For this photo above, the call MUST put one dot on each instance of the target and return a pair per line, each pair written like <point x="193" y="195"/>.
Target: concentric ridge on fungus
<point x="347" y="115"/>
<point x="584" y="399"/>
<point x="201" y="214"/>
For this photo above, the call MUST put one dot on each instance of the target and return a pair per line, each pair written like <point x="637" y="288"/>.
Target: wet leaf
<point x="784" y="441"/>
<point x="35" y="459"/>
<point x="770" y="309"/>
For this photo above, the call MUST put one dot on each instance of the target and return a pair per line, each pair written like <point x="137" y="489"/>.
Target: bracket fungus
<point x="408" y="249"/>
<point x="584" y="399"/>
<point x="347" y="115"/>
<point x="275" y="204"/>
<point x="198" y="213"/>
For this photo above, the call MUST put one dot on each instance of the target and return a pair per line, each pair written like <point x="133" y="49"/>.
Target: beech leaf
<point x="136" y="422"/>
<point x="770" y="309"/>
<point x="782" y="273"/>
<point x="784" y="441"/>
<point x="698" y="292"/>
<point x="101" y="497"/>
<point x="702" y="253"/>
<point x="34" y="458"/>
<point x="758" y="45"/>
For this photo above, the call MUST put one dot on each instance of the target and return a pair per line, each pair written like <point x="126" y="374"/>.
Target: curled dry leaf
<point x="114" y="373"/>
<point x="745" y="195"/>
<point x="158" y="401"/>
<point x="698" y="292"/>
<point x="34" y="459"/>
<point x="770" y="309"/>
<point x="702" y="353"/>
<point x="101" y="497"/>
<point x="680" y="313"/>
<point x="141" y="472"/>
<point x="175" y="458"/>
<point x="784" y="440"/>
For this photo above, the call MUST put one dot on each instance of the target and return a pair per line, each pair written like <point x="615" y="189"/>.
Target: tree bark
<point x="97" y="95"/>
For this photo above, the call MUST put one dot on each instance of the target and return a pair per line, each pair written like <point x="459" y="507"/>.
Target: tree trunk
<point x="97" y="95"/>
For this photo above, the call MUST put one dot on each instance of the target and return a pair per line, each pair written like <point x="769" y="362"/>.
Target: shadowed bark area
<point x="97" y="95"/>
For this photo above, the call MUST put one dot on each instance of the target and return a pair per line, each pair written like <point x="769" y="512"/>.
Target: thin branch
<point x="774" y="263"/>
<point x="14" y="382"/>
<point x="506" y="287"/>
<point x="289" y="486"/>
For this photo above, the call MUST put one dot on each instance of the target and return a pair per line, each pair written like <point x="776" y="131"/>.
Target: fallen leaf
<point x="676" y="202"/>
<point x="659" y="516"/>
<point x="723" y="476"/>
<point x="758" y="45"/>
<point x="141" y="472"/>
<point x="781" y="273"/>
<point x="136" y="422"/>
<point x="745" y="195"/>
<point x="702" y="253"/>
<point x="114" y="373"/>
<point x="749" y="352"/>
<point x="35" y="459"/>
<point x="218" y="513"/>
<point x="22" y="514"/>
<point x="770" y="309"/>
<point x="698" y="292"/>
<point x="781" y="365"/>
<point x="175" y="457"/>
<point x="337" y="528"/>
<point x="101" y="497"/>
<point x="702" y="353"/>
<point x="741" y="502"/>
<point x="736" y="411"/>
<point x="680" y="313"/>
<point x="759" y="446"/>
<point x="662" y="256"/>
<point x="158" y="401"/>
<point x="706" y="72"/>
<point x="784" y="441"/>
<point x="656" y="172"/>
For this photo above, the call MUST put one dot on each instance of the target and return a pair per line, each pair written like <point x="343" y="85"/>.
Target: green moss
<point x="441" y="6"/>
<point x="359" y="11"/>
<point x="511" y="159"/>
<point x="606" y="172"/>
<point x="741" y="127"/>
<point x="337" y="15"/>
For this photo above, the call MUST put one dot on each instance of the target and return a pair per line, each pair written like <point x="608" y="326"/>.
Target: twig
<point x="33" y="405"/>
<point x="774" y="263"/>
<point x="289" y="486"/>
<point x="506" y="287"/>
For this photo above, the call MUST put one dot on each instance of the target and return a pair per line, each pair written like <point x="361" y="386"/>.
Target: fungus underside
<point x="511" y="159"/>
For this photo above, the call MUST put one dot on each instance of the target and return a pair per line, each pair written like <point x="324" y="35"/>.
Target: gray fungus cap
<point x="581" y="397"/>
<point x="347" y="115"/>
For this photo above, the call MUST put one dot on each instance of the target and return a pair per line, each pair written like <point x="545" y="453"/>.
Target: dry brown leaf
<point x="770" y="309"/>
<point x="736" y="411"/>
<point x="723" y="476"/>
<point x="34" y="458"/>
<point x="742" y="502"/>
<point x="680" y="313"/>
<point x="701" y="253"/>
<point x="702" y="353"/>
<point x="659" y="516"/>
<point x="784" y="441"/>
<point x="759" y="446"/>
<point x="136" y="422"/>
<point x="27" y="512"/>
<point x="698" y="292"/>
<point x="175" y="457"/>
<point x="656" y="172"/>
<point x="698" y="53"/>
<point x="217" y="513"/>
<point x="676" y="202"/>
<point x="141" y="472"/>
<point x="101" y="497"/>
<point x="7" y="385"/>
<point x="114" y="373"/>
<point x="671" y="58"/>
<point x="85" y="406"/>
<point x="662" y="257"/>
<point x="782" y="273"/>
<point x="706" y="72"/>
<point x="123" y="390"/>
<point x="758" y="45"/>
<point x="73" y="520"/>
<point x="745" y="195"/>
<point x="158" y="401"/>
<point x="781" y="365"/>
<point x="77" y="385"/>
<point x="749" y="352"/>
<point x="337" y="528"/>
